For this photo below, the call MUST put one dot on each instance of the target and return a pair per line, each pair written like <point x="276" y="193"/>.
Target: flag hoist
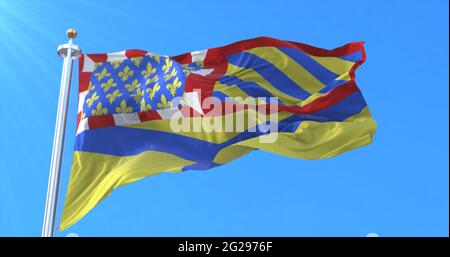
<point x="69" y="52"/>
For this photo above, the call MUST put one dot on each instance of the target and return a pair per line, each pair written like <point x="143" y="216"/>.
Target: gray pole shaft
<point x="58" y="145"/>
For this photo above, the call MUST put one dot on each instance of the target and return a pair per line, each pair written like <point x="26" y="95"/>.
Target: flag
<point x="140" y="113"/>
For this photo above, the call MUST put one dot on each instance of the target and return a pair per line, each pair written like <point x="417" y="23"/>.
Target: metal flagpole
<point x="69" y="52"/>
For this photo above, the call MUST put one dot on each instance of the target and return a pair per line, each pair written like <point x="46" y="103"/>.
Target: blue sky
<point x="398" y="186"/>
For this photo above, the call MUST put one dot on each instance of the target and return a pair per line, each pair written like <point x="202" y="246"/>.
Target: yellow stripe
<point x="334" y="64"/>
<point x="93" y="177"/>
<point x="291" y="68"/>
<point x="231" y="91"/>
<point x="230" y="153"/>
<point x="318" y="140"/>
<point x="252" y="76"/>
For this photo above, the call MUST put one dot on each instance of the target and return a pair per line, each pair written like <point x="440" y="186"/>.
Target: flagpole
<point x="69" y="52"/>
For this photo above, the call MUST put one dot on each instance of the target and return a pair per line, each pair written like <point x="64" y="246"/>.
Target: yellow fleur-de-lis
<point x="100" y="75"/>
<point x="111" y="97"/>
<point x="97" y="64"/>
<point x="91" y="87"/>
<point x="99" y="110"/>
<point x="164" y="104"/>
<point x="173" y="86"/>
<point x="149" y="71"/>
<point x="137" y="61"/>
<point x="145" y="106"/>
<point x="131" y="87"/>
<point x="166" y="67"/>
<point x="108" y="84"/>
<point x="138" y="96"/>
<point x="115" y="64"/>
<point x="90" y="101"/>
<point x="152" y="80"/>
<point x="126" y="73"/>
<point x="151" y="91"/>
<point x="124" y="108"/>
<point x="156" y="58"/>
<point x="172" y="74"/>
<point x="186" y="72"/>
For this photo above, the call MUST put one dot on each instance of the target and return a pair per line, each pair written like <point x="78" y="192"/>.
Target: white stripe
<point x="167" y="114"/>
<point x="153" y="54"/>
<point x="88" y="65"/>
<point x="203" y="72"/>
<point x="83" y="125"/>
<point x="81" y="99"/>
<point x="117" y="56"/>
<point x="198" y="55"/>
<point x="126" y="118"/>
<point x="194" y="101"/>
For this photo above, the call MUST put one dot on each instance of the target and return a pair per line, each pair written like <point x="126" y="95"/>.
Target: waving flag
<point x="131" y="105"/>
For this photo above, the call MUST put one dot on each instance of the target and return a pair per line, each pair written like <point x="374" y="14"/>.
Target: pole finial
<point x="71" y="33"/>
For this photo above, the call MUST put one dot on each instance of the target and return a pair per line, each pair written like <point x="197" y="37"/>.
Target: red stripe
<point x="317" y="105"/>
<point x="98" y="57"/>
<point x="135" y="53"/>
<point x="219" y="54"/>
<point x="325" y="101"/>
<point x="183" y="58"/>
<point x="101" y="121"/>
<point x="149" y="115"/>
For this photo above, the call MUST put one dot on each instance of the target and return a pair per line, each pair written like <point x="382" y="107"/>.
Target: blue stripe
<point x="221" y="96"/>
<point x="124" y="141"/>
<point x="354" y="57"/>
<point x="249" y="87"/>
<point x="321" y="73"/>
<point x="270" y="73"/>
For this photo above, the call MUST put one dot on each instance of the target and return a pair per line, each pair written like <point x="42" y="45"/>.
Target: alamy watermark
<point x="231" y="114"/>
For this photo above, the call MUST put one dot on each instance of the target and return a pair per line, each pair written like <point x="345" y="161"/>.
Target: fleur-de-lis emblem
<point x="149" y="71"/>
<point x="100" y="75"/>
<point x="156" y="58"/>
<point x="99" y="110"/>
<point x="151" y="91"/>
<point x="91" y="87"/>
<point x="97" y="64"/>
<point x="164" y="104"/>
<point x="109" y="84"/>
<point x="166" y="67"/>
<point x="186" y="72"/>
<point x="173" y="86"/>
<point x="131" y="87"/>
<point x="115" y="64"/>
<point x="172" y="74"/>
<point x="90" y="101"/>
<point x="123" y="108"/>
<point x="111" y="97"/>
<point x="145" y="106"/>
<point x="138" y="96"/>
<point x="152" y="80"/>
<point x="137" y="61"/>
<point x="126" y="73"/>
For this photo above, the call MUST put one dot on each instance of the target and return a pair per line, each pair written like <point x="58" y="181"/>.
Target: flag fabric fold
<point x="131" y="105"/>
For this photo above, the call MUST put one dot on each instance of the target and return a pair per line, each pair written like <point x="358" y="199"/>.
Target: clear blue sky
<point x="398" y="186"/>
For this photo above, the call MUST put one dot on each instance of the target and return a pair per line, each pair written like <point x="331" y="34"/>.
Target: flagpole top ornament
<point x="71" y="33"/>
<point x="64" y="49"/>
